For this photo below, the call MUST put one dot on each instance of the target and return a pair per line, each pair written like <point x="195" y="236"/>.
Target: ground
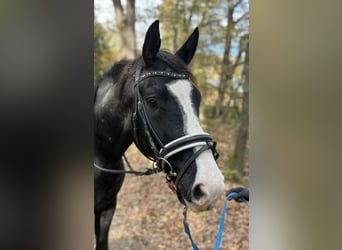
<point x="149" y="216"/>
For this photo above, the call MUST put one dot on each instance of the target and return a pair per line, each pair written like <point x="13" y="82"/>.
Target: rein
<point x="221" y="227"/>
<point x="148" y="171"/>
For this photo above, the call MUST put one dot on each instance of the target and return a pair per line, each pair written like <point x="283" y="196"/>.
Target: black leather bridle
<point x="162" y="152"/>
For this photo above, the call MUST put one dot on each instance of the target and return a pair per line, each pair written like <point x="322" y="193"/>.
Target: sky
<point x="104" y="12"/>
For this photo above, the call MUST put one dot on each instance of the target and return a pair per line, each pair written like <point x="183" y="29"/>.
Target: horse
<point x="153" y="102"/>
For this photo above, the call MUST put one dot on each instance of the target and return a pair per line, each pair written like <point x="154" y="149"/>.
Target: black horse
<point x="153" y="102"/>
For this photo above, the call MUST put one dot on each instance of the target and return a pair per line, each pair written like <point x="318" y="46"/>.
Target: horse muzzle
<point x="204" y="196"/>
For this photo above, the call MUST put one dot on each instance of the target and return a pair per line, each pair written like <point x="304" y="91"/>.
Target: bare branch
<point x="242" y="48"/>
<point x="212" y="21"/>
<point x="204" y="15"/>
<point x="241" y="17"/>
<point x="192" y="8"/>
<point x="130" y="12"/>
<point x="119" y="12"/>
<point x="237" y="3"/>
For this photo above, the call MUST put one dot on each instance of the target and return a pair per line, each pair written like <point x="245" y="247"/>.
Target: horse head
<point x="166" y="122"/>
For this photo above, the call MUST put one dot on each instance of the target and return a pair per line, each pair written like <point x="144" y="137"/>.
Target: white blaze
<point x="208" y="173"/>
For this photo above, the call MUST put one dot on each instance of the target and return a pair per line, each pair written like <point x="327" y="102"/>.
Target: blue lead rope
<point x="223" y="216"/>
<point x="187" y="229"/>
<point x="220" y="231"/>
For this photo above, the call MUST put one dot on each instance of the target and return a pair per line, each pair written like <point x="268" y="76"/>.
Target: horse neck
<point x="113" y="127"/>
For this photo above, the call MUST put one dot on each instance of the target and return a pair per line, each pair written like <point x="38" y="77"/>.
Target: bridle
<point x="162" y="152"/>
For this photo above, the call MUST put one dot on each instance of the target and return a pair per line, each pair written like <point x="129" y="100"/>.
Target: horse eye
<point x="152" y="102"/>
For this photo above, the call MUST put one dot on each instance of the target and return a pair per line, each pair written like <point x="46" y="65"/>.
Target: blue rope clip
<point x="220" y="231"/>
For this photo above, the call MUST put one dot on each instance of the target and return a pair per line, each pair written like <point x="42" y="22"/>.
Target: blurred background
<point x="221" y="66"/>
<point x="46" y="131"/>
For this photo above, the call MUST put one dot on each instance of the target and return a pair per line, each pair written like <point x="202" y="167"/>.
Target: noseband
<point x="161" y="153"/>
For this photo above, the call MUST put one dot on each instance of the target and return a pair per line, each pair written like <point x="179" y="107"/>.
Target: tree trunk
<point x="242" y="136"/>
<point x="231" y="110"/>
<point x="125" y="23"/>
<point x="226" y="66"/>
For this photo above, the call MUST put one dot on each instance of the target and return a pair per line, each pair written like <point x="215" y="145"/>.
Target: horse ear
<point x="187" y="51"/>
<point x="152" y="43"/>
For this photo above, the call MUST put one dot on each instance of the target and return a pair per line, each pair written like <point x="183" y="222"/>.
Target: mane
<point x="114" y="72"/>
<point x="121" y="71"/>
<point x="176" y="63"/>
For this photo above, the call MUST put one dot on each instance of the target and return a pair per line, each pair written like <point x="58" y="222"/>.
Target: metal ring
<point x="172" y="172"/>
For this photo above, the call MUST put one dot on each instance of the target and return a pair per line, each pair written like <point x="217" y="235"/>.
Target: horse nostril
<point x="198" y="192"/>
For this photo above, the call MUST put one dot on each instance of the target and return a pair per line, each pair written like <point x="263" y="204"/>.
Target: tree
<point x="228" y="67"/>
<point x="220" y="57"/>
<point x="242" y="135"/>
<point x="105" y="47"/>
<point x="100" y="49"/>
<point x="125" y="23"/>
<point x="179" y="18"/>
<point x="221" y="24"/>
